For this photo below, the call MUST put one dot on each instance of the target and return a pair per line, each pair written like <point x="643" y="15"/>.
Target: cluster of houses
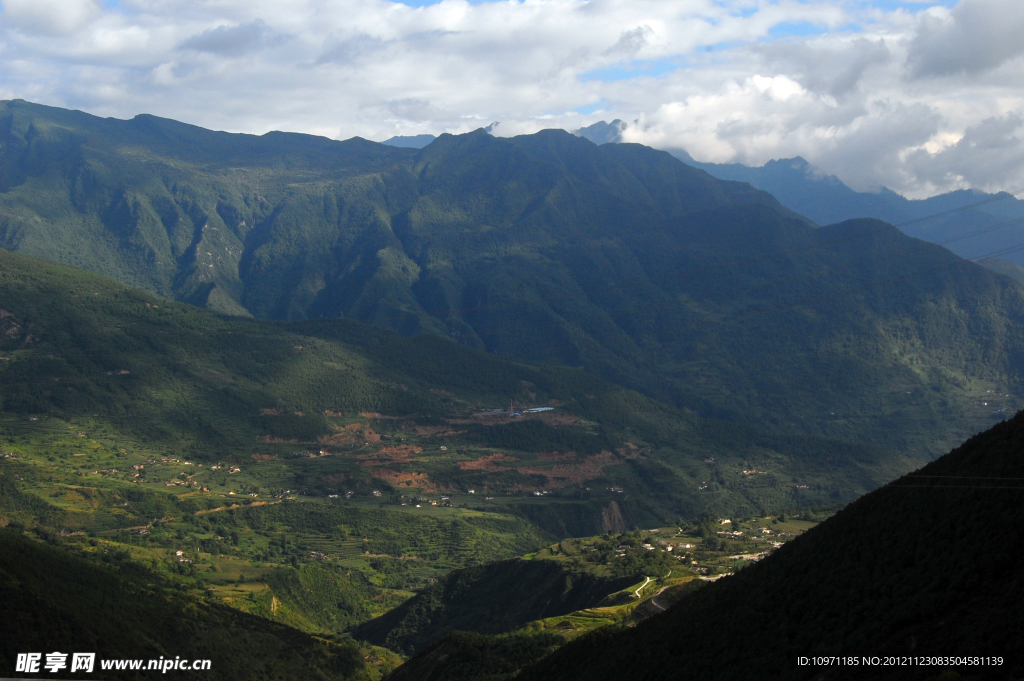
<point x="312" y="454"/>
<point x="419" y="502"/>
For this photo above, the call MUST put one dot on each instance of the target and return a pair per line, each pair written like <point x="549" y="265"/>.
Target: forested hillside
<point x="620" y="259"/>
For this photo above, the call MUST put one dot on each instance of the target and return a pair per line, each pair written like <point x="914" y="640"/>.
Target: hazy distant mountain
<point x="994" y="229"/>
<point x="1004" y="267"/>
<point x="618" y="258"/>
<point x="794" y="182"/>
<point x="602" y="133"/>
<point x="954" y="220"/>
<point x="410" y="141"/>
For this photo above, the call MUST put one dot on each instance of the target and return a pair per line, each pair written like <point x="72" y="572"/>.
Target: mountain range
<point x="706" y="294"/>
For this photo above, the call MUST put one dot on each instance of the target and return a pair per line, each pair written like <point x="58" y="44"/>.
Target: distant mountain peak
<point x="797" y="163"/>
<point x="602" y="132"/>
<point x="409" y="141"/>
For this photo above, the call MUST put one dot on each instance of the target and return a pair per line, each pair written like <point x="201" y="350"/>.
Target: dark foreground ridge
<point x="924" y="566"/>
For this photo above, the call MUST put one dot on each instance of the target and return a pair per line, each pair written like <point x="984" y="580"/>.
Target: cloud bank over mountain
<point x="922" y="97"/>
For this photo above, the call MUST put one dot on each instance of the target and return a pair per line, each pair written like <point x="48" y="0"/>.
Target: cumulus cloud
<point x="416" y="110"/>
<point x="835" y="69"/>
<point x="870" y="92"/>
<point x="358" y="47"/>
<point x="630" y="42"/>
<point x="233" y="40"/>
<point x="50" y="17"/>
<point x="974" y="36"/>
<point x="987" y="155"/>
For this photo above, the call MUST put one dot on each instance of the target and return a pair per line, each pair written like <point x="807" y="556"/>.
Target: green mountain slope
<point x="53" y="600"/>
<point x="922" y="567"/>
<point x="619" y="258"/>
<point x="96" y="376"/>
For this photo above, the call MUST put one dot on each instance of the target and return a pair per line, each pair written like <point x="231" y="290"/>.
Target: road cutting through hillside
<point x="654" y="599"/>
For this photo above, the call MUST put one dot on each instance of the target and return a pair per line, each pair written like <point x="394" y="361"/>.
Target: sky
<point x="921" y="96"/>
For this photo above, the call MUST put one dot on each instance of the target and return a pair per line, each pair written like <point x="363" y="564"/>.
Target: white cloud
<point x="235" y="40"/>
<point x="872" y="94"/>
<point x="50" y="17"/>
<point x="976" y="35"/>
<point x="630" y="42"/>
<point x="986" y="156"/>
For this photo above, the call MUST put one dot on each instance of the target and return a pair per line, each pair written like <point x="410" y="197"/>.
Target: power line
<point x="993" y="199"/>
